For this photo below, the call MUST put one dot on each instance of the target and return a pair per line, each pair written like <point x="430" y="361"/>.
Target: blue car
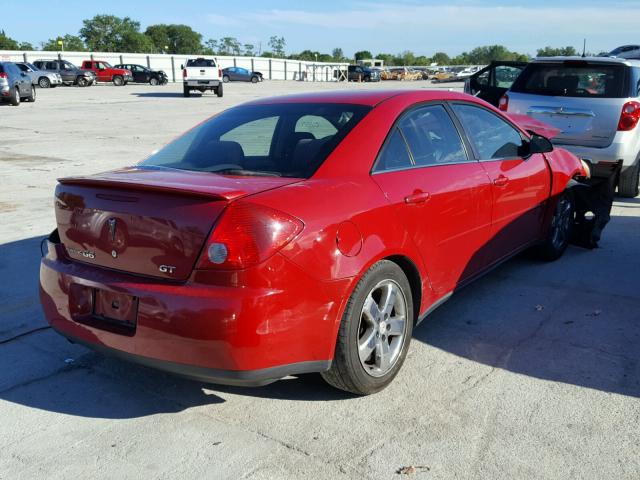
<point x="239" y="74"/>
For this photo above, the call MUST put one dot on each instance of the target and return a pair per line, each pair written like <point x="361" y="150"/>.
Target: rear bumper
<point x="624" y="150"/>
<point x="239" y="334"/>
<point x="202" y="83"/>
<point x="240" y="378"/>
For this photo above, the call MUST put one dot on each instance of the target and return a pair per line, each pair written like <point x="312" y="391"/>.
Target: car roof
<point x="609" y="60"/>
<point x="362" y="97"/>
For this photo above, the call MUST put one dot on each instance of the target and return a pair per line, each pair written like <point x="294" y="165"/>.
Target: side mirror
<point x="181" y="67"/>
<point x="537" y="144"/>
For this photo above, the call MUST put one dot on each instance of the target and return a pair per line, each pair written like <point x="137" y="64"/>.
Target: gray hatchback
<point x="594" y="102"/>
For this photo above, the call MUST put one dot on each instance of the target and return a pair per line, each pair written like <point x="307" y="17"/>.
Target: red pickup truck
<point x="106" y="73"/>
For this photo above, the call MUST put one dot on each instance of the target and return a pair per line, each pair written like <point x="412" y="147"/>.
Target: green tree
<point x="441" y="58"/>
<point x="362" y="54"/>
<point x="229" y="46"/>
<point x="387" y="58"/>
<point x="557" y="52"/>
<point x="277" y="45"/>
<point x="7" y="43"/>
<point x="306" y="55"/>
<point x="70" y="43"/>
<point x="25" y="46"/>
<point x="210" y="47"/>
<point x="249" y="49"/>
<point x="337" y="55"/>
<point x="108" y="33"/>
<point x="175" y="39"/>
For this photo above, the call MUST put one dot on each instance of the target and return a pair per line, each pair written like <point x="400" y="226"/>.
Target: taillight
<point x="503" y="104"/>
<point x="184" y="73"/>
<point x="629" y="117"/>
<point x="4" y="75"/>
<point x="246" y="235"/>
<point x="220" y="72"/>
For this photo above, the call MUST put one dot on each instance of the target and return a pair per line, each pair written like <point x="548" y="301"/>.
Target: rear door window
<point x="492" y="137"/>
<point x="432" y="137"/>
<point x="572" y="79"/>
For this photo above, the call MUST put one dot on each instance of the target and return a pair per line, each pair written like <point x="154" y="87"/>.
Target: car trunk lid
<point x="150" y="222"/>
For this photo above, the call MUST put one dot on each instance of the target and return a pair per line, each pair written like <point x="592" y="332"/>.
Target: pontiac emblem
<point x="112" y="228"/>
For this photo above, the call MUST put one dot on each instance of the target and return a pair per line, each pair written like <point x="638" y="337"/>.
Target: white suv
<point x="595" y="102"/>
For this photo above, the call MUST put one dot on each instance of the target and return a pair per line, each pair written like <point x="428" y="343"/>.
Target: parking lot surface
<point x="531" y="372"/>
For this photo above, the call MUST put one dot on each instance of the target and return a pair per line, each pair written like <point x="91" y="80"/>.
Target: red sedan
<point x="301" y="234"/>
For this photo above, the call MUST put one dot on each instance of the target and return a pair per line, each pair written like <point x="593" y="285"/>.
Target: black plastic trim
<point x="241" y="378"/>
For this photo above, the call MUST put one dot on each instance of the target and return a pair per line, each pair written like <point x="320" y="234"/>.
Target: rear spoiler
<point x="179" y="183"/>
<point x="532" y="125"/>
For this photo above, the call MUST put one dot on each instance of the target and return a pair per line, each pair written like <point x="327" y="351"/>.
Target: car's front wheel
<point x="255" y="79"/>
<point x="375" y="331"/>
<point x="44" y="82"/>
<point x="118" y="81"/>
<point x="32" y="96"/>
<point x="153" y="81"/>
<point x="560" y="229"/>
<point x="82" y="82"/>
<point x="225" y="78"/>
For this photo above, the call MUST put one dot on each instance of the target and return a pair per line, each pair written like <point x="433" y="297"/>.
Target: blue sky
<point x="423" y="27"/>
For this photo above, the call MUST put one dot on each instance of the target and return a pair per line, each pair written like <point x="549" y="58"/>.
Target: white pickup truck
<point x="201" y="74"/>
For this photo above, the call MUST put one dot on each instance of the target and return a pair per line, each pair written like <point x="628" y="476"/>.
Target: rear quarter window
<point x="575" y="79"/>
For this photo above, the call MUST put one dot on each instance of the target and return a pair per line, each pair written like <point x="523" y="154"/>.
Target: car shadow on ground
<point x="166" y="94"/>
<point x="576" y="321"/>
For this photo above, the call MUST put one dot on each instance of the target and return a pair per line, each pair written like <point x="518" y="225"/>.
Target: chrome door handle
<point x="417" y="197"/>
<point x="501" y="181"/>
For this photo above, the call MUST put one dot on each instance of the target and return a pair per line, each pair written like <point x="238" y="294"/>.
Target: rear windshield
<point x="201" y="62"/>
<point x="572" y="80"/>
<point x="288" y="140"/>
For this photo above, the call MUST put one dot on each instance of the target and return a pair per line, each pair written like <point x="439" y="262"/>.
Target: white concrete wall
<point x="280" y="69"/>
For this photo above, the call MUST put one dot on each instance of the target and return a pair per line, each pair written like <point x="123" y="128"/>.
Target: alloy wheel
<point x="382" y="328"/>
<point x="561" y="223"/>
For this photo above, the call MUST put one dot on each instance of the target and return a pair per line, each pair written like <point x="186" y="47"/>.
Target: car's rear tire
<point x="628" y="185"/>
<point x="118" y="81"/>
<point x="219" y="90"/>
<point x="255" y="79"/>
<point x="44" y="82"/>
<point x="375" y="331"/>
<point x="82" y="82"/>
<point x="186" y="91"/>
<point x="15" y="97"/>
<point x="153" y="81"/>
<point x="560" y="229"/>
<point x="32" y="97"/>
<point x="225" y="78"/>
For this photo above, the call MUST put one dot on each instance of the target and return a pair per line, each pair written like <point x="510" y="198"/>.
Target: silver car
<point x="594" y="102"/>
<point x="39" y="77"/>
